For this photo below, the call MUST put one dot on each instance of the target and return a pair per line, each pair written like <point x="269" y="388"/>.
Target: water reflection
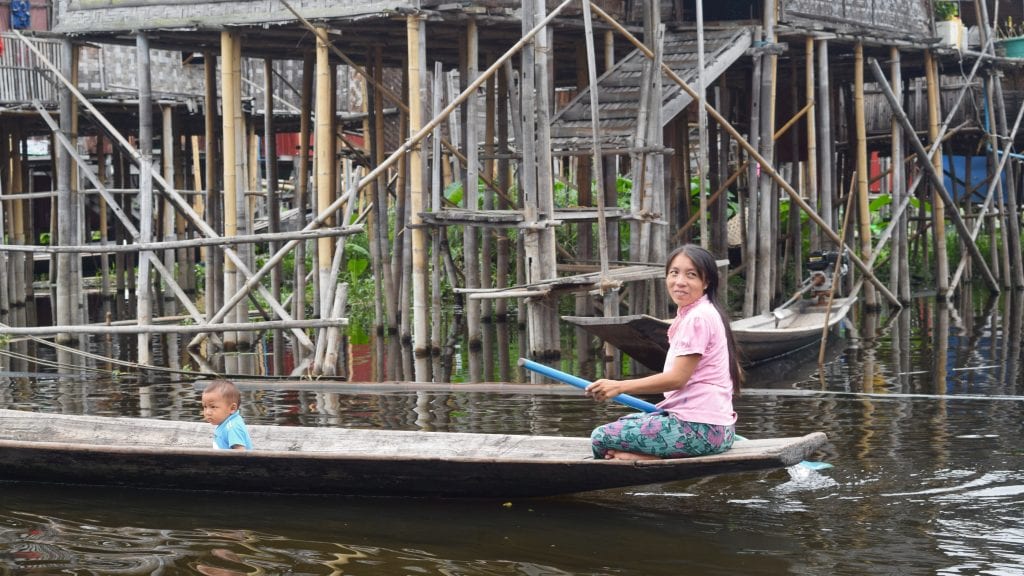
<point x="923" y="410"/>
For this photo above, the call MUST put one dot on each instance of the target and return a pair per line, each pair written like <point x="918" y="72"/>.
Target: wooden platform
<point x="136" y="452"/>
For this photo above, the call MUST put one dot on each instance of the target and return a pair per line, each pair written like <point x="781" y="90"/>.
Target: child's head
<point x="220" y="400"/>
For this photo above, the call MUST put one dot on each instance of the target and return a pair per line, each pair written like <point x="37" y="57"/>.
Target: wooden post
<point x="144" y="286"/>
<point x="487" y="237"/>
<point x="214" y="289"/>
<point x="811" y="182"/>
<point x="324" y="159"/>
<point x="860" y="128"/>
<point x="938" y="205"/>
<point x="6" y="151"/>
<point x="504" y="259"/>
<point x="302" y="192"/>
<point x="416" y="46"/>
<point x="823" y="108"/>
<point x="64" y="207"/>
<point x="765" y="241"/>
<point x="436" y="185"/>
<point x="547" y="340"/>
<point x="752" y="211"/>
<point x="168" y="223"/>
<point x="900" y="262"/>
<point x="273" y="201"/>
<point x="702" y="131"/>
<point x="231" y="155"/>
<point x="470" y="244"/>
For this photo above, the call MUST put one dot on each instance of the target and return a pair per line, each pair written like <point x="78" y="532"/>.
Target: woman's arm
<point x="675" y="378"/>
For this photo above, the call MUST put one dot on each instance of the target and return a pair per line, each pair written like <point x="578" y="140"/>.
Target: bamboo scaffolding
<point x="929" y="171"/>
<point x="180" y="203"/>
<point x="765" y="165"/>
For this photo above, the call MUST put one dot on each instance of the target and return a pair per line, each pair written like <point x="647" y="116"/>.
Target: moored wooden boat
<point x="759" y="338"/>
<point x="139" y="452"/>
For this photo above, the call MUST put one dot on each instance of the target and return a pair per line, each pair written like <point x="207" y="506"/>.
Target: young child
<point x="220" y="408"/>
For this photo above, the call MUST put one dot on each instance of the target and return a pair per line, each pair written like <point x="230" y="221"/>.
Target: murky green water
<point x="925" y="413"/>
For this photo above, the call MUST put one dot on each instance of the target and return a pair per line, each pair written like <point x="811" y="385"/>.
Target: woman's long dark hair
<point x="707" y="268"/>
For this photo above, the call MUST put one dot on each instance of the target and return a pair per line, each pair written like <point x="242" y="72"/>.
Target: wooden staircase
<point x="619" y="96"/>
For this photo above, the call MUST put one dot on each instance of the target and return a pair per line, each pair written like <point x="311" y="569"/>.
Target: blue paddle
<point x="625" y="399"/>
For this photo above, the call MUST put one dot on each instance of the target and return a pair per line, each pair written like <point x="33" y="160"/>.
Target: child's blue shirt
<point x="232" y="432"/>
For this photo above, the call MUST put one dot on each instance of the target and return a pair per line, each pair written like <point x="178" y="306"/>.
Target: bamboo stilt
<point x="863" y="209"/>
<point x="436" y="164"/>
<point x="144" y="306"/>
<point x="324" y="159"/>
<point x="823" y="108"/>
<point x="765" y="242"/>
<point x="302" y="193"/>
<point x="417" y="87"/>
<point x="273" y="201"/>
<point x="938" y="201"/>
<point x="812" y="135"/>
<point x="470" y="238"/>
<point x="900" y="262"/>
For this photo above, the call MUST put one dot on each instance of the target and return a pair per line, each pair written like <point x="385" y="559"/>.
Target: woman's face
<point x="683" y="281"/>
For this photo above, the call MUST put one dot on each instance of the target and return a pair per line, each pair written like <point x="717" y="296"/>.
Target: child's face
<point x="216" y="409"/>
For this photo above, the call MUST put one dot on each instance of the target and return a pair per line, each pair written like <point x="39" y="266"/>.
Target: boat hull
<point x="759" y="338"/>
<point x="144" y="453"/>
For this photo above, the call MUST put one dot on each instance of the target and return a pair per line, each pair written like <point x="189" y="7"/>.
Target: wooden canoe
<point x="163" y="454"/>
<point x="759" y="338"/>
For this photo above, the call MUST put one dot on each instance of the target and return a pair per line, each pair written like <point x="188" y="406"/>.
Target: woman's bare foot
<point x="620" y="455"/>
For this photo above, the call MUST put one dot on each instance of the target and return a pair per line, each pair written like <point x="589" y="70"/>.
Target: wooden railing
<point x="23" y="77"/>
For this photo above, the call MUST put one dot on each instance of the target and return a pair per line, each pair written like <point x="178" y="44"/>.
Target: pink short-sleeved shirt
<point x="707" y="397"/>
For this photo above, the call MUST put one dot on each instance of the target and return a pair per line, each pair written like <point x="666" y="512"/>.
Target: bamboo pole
<point x="64" y="206"/>
<point x="420" y="293"/>
<point x="702" y="129"/>
<point x="545" y="311"/>
<point x="229" y="135"/>
<point x="812" y="144"/>
<point x="302" y="192"/>
<point x="900" y="263"/>
<point x="214" y="289"/>
<point x="487" y="237"/>
<point x="273" y="201"/>
<point x="823" y="107"/>
<point x="930" y="172"/>
<point x="144" y="306"/>
<point x="470" y="239"/>
<point x="168" y="223"/>
<point x="863" y="207"/>
<point x="765" y="165"/>
<point x="19" y="210"/>
<point x="504" y="259"/>
<point x="5" y="234"/>
<point x="608" y="290"/>
<point x="938" y="198"/>
<point x="766" y="148"/>
<point x="173" y="328"/>
<point x="324" y="159"/>
<point x="751" y="212"/>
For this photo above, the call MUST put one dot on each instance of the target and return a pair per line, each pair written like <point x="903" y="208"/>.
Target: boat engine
<point x="821" y="265"/>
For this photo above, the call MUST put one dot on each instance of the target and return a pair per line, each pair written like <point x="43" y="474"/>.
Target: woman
<point x="701" y="375"/>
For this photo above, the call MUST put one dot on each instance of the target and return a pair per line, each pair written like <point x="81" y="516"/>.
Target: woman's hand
<point x="604" y="389"/>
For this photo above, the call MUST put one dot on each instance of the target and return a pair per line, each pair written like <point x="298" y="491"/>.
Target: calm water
<point x="925" y="412"/>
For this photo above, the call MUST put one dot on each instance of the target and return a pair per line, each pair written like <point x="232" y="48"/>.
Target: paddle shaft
<point x="625" y="399"/>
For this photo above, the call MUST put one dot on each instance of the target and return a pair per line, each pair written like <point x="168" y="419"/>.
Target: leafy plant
<point x="1010" y="29"/>
<point x="946" y="10"/>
